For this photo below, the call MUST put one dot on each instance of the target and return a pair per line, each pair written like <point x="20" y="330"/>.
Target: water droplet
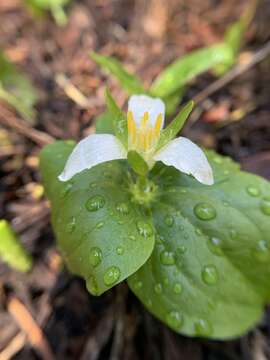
<point x="226" y="172"/>
<point x="158" y="288"/>
<point x="93" y="185"/>
<point x="167" y="257"/>
<point x="210" y="275"/>
<point x="181" y="227"/>
<point x="95" y="256"/>
<point x="202" y="327"/>
<point x="144" y="229"/>
<point x="253" y="191"/>
<point x="120" y="250"/>
<point x="122" y="208"/>
<point x="138" y="285"/>
<point x="198" y="232"/>
<point x="132" y="237"/>
<point x="205" y="211"/>
<point x="120" y="222"/>
<point x="95" y="203"/>
<point x="92" y="285"/>
<point x="100" y="224"/>
<point x="226" y="204"/>
<point x="174" y="319"/>
<point x="71" y="225"/>
<point x="214" y="245"/>
<point x="265" y="206"/>
<point x="169" y="220"/>
<point x="233" y="234"/>
<point x="186" y="236"/>
<point x="262" y="253"/>
<point x="111" y="275"/>
<point x="183" y="191"/>
<point x="66" y="189"/>
<point x="181" y="249"/>
<point x="177" y="288"/>
<point x="149" y="303"/>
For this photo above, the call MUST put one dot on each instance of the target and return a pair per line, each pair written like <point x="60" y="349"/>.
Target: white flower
<point x="145" y="121"/>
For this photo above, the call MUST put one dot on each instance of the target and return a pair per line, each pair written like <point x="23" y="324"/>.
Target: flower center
<point x="143" y="137"/>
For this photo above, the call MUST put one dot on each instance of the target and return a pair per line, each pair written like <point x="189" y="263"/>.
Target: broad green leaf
<point x="11" y="250"/>
<point x="16" y="89"/>
<point x="130" y="82"/>
<point x="209" y="272"/>
<point x="103" y="236"/>
<point x="56" y="7"/>
<point x="104" y="123"/>
<point x="119" y="119"/>
<point x="181" y="71"/>
<point x="175" y="126"/>
<point x="137" y="163"/>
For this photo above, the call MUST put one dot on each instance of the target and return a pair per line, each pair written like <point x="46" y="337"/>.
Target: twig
<point x="236" y="71"/>
<point x="13" y="347"/>
<point x="28" y="325"/>
<point x="7" y="118"/>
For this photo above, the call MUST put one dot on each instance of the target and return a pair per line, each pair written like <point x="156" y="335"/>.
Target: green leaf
<point x="175" y="126"/>
<point x="172" y="101"/>
<point x="11" y="250"/>
<point x="181" y="71"/>
<point x="56" y="7"/>
<point x="16" y="89"/>
<point x="209" y="272"/>
<point x="137" y="163"/>
<point x="104" y="123"/>
<point x="103" y="236"/>
<point x="129" y="82"/>
<point x="119" y="119"/>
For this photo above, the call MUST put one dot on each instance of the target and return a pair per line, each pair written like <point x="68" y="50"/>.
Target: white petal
<point x="92" y="150"/>
<point x="139" y="104"/>
<point x="187" y="157"/>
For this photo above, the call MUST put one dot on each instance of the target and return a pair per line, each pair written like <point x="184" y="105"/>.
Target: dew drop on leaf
<point x="169" y="220"/>
<point x="202" y="327"/>
<point x="174" y="319"/>
<point x="158" y="288"/>
<point x="100" y="224"/>
<point x="167" y="257"/>
<point x="92" y="285"/>
<point x="95" y="203"/>
<point x="66" y="189"/>
<point x="93" y="185"/>
<point x="214" y="245"/>
<point x="210" y="275"/>
<point x="111" y="275"/>
<point x="217" y="160"/>
<point x="233" y="234"/>
<point x="262" y="253"/>
<point x="181" y="249"/>
<point x="122" y="208"/>
<point x="132" y="237"/>
<point x="265" y="206"/>
<point x="95" y="256"/>
<point x="253" y="191"/>
<point x="138" y="285"/>
<point x="120" y="250"/>
<point x="144" y="229"/>
<point x="198" y="232"/>
<point x="71" y="225"/>
<point x="205" y="211"/>
<point x="177" y="288"/>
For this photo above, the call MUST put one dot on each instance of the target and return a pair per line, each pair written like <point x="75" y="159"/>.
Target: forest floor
<point x="234" y="121"/>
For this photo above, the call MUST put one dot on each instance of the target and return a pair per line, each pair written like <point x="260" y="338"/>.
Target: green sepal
<point x="119" y="119"/>
<point x="209" y="273"/>
<point x="137" y="163"/>
<point x="175" y="126"/>
<point x="129" y="82"/>
<point x="103" y="236"/>
<point x="11" y="249"/>
<point x="183" y="70"/>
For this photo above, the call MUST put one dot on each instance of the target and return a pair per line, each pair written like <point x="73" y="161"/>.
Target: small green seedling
<point x="11" y="250"/>
<point x="56" y="7"/>
<point x="188" y="230"/>
<point x="17" y="90"/>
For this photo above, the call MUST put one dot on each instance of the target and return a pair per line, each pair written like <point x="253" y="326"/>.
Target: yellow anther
<point x="131" y="127"/>
<point x="158" y="126"/>
<point x="150" y="138"/>
<point x="145" y="118"/>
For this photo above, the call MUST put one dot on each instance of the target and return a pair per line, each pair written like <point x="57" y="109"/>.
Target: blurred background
<point x="50" y="88"/>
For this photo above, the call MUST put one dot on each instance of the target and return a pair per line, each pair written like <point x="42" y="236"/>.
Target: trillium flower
<point x="145" y="121"/>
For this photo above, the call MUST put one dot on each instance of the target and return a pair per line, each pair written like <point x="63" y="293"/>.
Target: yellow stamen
<point x="131" y="127"/>
<point x="158" y="126"/>
<point x="150" y="138"/>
